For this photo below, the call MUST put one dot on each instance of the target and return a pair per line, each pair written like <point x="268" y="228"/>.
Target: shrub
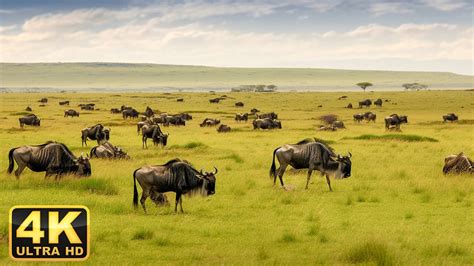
<point x="369" y="251"/>
<point x="143" y="234"/>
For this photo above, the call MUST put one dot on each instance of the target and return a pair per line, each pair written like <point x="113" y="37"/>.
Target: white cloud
<point x="382" y="8"/>
<point x="446" y="5"/>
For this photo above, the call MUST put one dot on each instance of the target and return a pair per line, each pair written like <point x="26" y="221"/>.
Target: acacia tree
<point x="271" y="87"/>
<point x="259" y="88"/>
<point x="364" y="85"/>
<point x="414" y="86"/>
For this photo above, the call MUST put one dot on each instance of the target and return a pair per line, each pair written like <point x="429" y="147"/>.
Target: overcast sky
<point x="425" y="35"/>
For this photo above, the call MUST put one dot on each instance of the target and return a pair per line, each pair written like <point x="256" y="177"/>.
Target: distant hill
<point x="121" y="76"/>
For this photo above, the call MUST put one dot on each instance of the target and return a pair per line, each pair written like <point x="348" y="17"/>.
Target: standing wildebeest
<point x="132" y="113"/>
<point x="369" y="116"/>
<point x="209" y="122"/>
<point x="378" y="102"/>
<point x="149" y="112"/>
<point x="141" y="124"/>
<point x="115" y="111"/>
<point x="64" y="103"/>
<point x="242" y="117"/>
<point x="53" y="157"/>
<point x="176" y="176"/>
<point x="124" y="107"/>
<point x="109" y="151"/>
<point x="28" y="109"/>
<point x="395" y="120"/>
<point x="30" y="120"/>
<point x="450" y="117"/>
<point x="458" y="164"/>
<point x="223" y="129"/>
<point x="43" y="100"/>
<point x="266" y="123"/>
<point x="358" y="117"/>
<point x="311" y="156"/>
<point x="271" y="115"/>
<point x="254" y="111"/>
<point x="154" y="132"/>
<point x="180" y="100"/>
<point x="71" y="113"/>
<point x="239" y="104"/>
<point x="349" y="106"/>
<point x="215" y="100"/>
<point x="367" y="103"/>
<point x="97" y="132"/>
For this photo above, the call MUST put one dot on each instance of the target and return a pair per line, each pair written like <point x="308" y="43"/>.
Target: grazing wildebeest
<point x="180" y="100"/>
<point x="64" y="103"/>
<point x="209" y="122"/>
<point x="242" y="117"/>
<point x="96" y="132"/>
<point x="223" y="128"/>
<point x="132" y="113"/>
<point x="271" y="115"/>
<point x="176" y="120"/>
<point x="115" y="111"/>
<point x="358" y="117"/>
<point x="43" y="100"/>
<point x="215" y="100"/>
<point x="311" y="156"/>
<point x="186" y="116"/>
<point x="254" y="111"/>
<point x="159" y="120"/>
<point x="239" y="104"/>
<point x="28" y="109"/>
<point x="369" y="116"/>
<point x="395" y="120"/>
<point x="266" y="123"/>
<point x="30" y="120"/>
<point x="450" y="117"/>
<point x="367" y="103"/>
<point x="53" y="157"/>
<point x="109" y="151"/>
<point x="458" y="164"/>
<point x="349" y="106"/>
<point x="378" y="102"/>
<point x="154" y="132"/>
<point x="174" y="176"/>
<point x="71" y="113"/>
<point x="338" y="124"/>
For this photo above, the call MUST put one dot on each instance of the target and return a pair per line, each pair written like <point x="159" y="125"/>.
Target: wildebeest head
<point x="84" y="166"/>
<point x="209" y="184"/>
<point x="163" y="139"/>
<point x="404" y="118"/>
<point x="345" y="165"/>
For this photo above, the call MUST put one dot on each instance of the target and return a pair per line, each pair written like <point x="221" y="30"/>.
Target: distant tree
<point x="364" y="85"/>
<point x="328" y="119"/>
<point x="259" y="88"/>
<point x="415" y="86"/>
<point x="271" y="87"/>
<point x="407" y="86"/>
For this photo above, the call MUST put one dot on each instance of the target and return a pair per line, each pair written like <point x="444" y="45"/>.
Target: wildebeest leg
<point x="281" y="171"/>
<point x="329" y="182"/>
<point x="20" y="169"/>
<point x="144" y="142"/>
<point x="181" y="204"/>
<point x="309" y="177"/>
<point x="143" y="198"/>
<point x="178" y="199"/>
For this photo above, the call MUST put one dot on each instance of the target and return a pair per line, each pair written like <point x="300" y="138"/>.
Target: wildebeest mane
<point x="188" y="179"/>
<point x="312" y="140"/>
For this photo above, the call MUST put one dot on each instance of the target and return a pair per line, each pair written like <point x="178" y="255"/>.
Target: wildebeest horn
<point x="350" y="155"/>
<point x="216" y="170"/>
<point x="200" y="171"/>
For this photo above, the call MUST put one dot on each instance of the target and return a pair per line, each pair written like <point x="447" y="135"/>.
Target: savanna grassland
<point x="396" y="208"/>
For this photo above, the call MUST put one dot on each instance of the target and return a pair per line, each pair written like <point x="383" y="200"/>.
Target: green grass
<point x="396" y="208"/>
<point x="397" y="137"/>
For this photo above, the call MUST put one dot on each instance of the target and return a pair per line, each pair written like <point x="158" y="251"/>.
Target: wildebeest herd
<point x="179" y="175"/>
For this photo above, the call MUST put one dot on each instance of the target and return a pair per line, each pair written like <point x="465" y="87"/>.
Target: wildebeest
<point x="115" y="111"/>
<point x="124" y="107"/>
<point x="338" y="124"/>
<point x="96" y="132"/>
<point x="28" y="109"/>
<point x="215" y="100"/>
<point x="132" y="113"/>
<point x="367" y="103"/>
<point x="209" y="122"/>
<point x="342" y="97"/>
<point x="311" y="156"/>
<point x="154" y="132"/>
<point x="369" y="116"/>
<point x="327" y="128"/>
<point x="271" y="115"/>
<point x="30" y="120"/>
<point x="43" y="100"/>
<point x="223" y="128"/>
<point x="458" y="164"/>
<point x="450" y="117"/>
<point x="378" y="102"/>
<point x="349" y="106"/>
<point x="64" y="103"/>
<point x="174" y="176"/>
<point x="71" y="113"/>
<point x="395" y="120"/>
<point x="358" y="117"/>
<point x="141" y="124"/>
<point x="108" y="151"/>
<point x="149" y="112"/>
<point x="242" y="117"/>
<point x="239" y="104"/>
<point x="254" y="111"/>
<point x="87" y="106"/>
<point x="176" y="120"/>
<point x="266" y="123"/>
<point x="180" y="100"/>
<point x="53" y="157"/>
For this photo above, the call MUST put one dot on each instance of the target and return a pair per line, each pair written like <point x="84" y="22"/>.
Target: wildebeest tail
<point x="273" y="167"/>
<point x="11" y="162"/>
<point x="135" y="192"/>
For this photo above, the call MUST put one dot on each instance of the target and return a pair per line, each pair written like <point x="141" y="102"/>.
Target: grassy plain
<point x="149" y="76"/>
<point x="396" y="208"/>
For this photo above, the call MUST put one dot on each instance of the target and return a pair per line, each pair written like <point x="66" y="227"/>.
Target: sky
<point x="418" y="35"/>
